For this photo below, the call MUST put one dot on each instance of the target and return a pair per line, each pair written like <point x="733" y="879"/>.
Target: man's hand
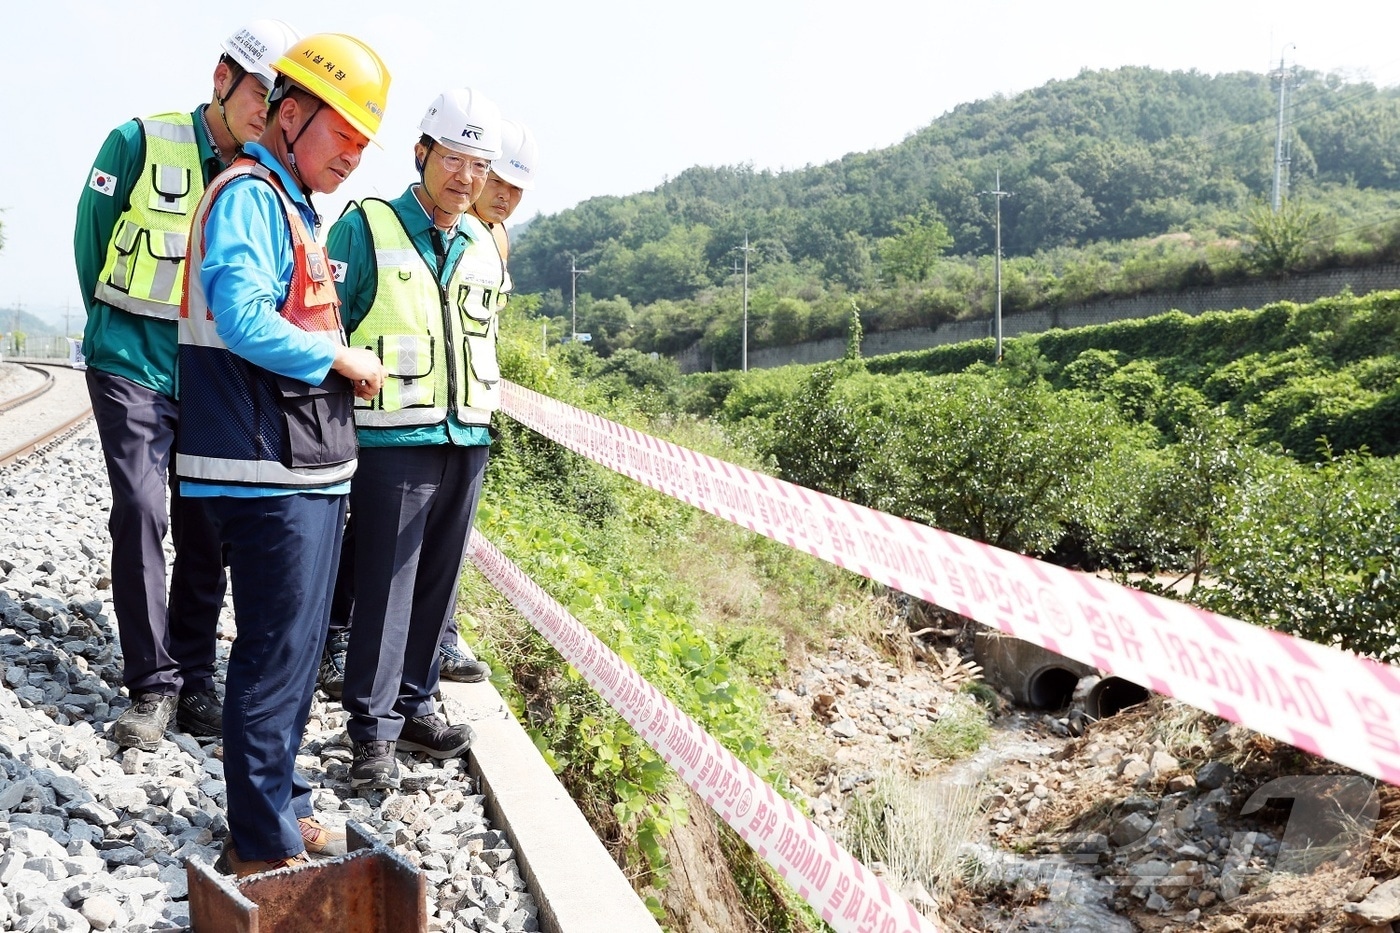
<point x="363" y="368"/>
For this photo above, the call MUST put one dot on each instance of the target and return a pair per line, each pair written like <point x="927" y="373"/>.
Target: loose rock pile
<point x="1190" y="846"/>
<point x="1159" y="839"/>
<point x="94" y="837"/>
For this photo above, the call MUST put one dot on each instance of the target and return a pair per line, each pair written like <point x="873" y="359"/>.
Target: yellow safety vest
<point x="146" y="255"/>
<point x="437" y="343"/>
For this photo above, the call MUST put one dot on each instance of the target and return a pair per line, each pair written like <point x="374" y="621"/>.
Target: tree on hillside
<point x="911" y="254"/>
<point x="1047" y="213"/>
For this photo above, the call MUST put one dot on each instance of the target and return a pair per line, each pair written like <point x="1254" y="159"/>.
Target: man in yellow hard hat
<point x="129" y="244"/>
<point x="267" y="437"/>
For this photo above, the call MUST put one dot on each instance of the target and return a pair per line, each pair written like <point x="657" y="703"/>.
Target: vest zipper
<point x="450" y="334"/>
<point x="449" y="348"/>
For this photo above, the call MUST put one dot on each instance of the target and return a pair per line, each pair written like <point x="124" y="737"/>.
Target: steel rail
<point x="32" y="394"/>
<point x="50" y="436"/>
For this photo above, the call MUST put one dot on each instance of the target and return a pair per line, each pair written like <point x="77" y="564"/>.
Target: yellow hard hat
<point x="342" y="71"/>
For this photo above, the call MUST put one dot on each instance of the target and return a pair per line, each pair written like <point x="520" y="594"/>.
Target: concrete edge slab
<point x="578" y="886"/>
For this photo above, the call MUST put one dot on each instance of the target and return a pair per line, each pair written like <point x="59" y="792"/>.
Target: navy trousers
<point x="167" y="646"/>
<point x="413" y="509"/>
<point x="282" y="554"/>
<point x="343" y="605"/>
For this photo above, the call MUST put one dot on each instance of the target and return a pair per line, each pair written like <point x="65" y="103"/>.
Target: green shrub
<point x="1314" y="550"/>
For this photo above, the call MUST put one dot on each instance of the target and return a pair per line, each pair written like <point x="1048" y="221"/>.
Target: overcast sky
<point x="620" y="94"/>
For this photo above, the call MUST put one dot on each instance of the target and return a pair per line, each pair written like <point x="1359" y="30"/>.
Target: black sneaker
<point x="200" y="713"/>
<point x="432" y="736"/>
<point x="374" y="765"/>
<point x="143" y="725"/>
<point x="461" y="665"/>
<point x="331" y="676"/>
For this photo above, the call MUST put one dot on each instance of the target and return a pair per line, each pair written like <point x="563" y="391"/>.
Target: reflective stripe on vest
<point x="146" y="254"/>
<point x="438" y="343"/>
<point x="243" y="424"/>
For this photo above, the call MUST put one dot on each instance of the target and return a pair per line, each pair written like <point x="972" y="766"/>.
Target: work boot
<point x="432" y="736"/>
<point x="331" y="676"/>
<point x="458" y="663"/>
<point x="200" y="713"/>
<point x="374" y="765"/>
<point x="143" y="725"/>
<point x="319" y="839"/>
<point x="230" y="864"/>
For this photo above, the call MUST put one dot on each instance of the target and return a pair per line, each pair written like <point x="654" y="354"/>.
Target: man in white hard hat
<point x="133" y="221"/>
<point x="420" y="281"/>
<point x="511" y="176"/>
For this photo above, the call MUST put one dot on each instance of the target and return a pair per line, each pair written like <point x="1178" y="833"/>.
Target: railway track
<point x="44" y="414"/>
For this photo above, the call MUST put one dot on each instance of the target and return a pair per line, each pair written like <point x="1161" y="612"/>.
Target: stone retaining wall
<point x="1299" y="288"/>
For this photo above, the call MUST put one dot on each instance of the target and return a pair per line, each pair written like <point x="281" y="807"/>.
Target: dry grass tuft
<point x="915" y="829"/>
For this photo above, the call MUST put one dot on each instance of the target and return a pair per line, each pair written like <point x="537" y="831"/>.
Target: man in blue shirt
<point x="267" y="436"/>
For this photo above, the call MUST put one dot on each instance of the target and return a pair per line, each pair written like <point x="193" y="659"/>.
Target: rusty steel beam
<point x="370" y="889"/>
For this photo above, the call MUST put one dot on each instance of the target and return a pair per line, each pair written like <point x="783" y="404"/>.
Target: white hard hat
<point x="518" y="154"/>
<point x="464" y="121"/>
<point x="257" y="45"/>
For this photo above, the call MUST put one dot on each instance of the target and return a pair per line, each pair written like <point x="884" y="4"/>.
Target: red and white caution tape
<point x="844" y="893"/>
<point x="1320" y="699"/>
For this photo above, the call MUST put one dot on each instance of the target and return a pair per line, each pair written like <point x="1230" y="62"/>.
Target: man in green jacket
<point x="129" y="240"/>
<point x="420" y="281"/>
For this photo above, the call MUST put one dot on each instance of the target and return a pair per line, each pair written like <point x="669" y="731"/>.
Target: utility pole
<point x="574" y="273"/>
<point x="746" y="249"/>
<point x="998" y="194"/>
<point x="1281" y="154"/>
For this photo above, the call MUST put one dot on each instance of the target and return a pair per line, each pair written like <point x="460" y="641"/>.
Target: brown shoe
<point x="321" y="840"/>
<point x="230" y="864"/>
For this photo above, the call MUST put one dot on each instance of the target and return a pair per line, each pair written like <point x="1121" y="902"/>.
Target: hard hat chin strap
<point x="291" y="151"/>
<point x="423" y="186"/>
<point x="237" y="69"/>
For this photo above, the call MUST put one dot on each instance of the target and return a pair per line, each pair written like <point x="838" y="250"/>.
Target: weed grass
<point x="961" y="729"/>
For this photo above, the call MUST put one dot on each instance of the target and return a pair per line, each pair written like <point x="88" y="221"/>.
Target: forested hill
<point x="1105" y="156"/>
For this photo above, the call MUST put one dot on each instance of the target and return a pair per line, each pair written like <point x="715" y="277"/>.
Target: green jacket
<point x="138" y="348"/>
<point x="351" y="250"/>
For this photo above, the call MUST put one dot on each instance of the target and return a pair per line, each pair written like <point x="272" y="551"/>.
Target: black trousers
<point x="413" y="509"/>
<point x="167" y="645"/>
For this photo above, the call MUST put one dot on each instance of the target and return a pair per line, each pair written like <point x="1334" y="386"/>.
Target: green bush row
<point x="1250" y="449"/>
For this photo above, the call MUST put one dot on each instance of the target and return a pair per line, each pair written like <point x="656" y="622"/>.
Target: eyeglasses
<point x="455" y="163"/>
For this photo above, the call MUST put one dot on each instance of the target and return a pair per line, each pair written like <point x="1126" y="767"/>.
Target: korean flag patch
<point x="338" y="270"/>
<point x="103" y="182"/>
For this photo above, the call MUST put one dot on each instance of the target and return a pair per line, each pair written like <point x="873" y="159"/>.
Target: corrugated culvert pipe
<point x="1035" y="677"/>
